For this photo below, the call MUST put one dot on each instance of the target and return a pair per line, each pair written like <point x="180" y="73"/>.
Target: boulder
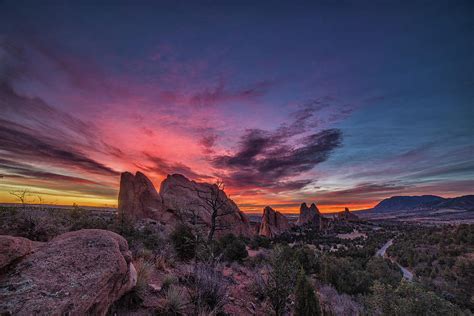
<point x="309" y="215"/>
<point x="77" y="273"/>
<point x="273" y="223"/>
<point x="187" y="200"/>
<point x="13" y="248"/>
<point x="138" y="197"/>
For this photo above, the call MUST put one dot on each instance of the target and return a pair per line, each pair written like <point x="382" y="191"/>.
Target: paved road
<point x="381" y="251"/>
<point x="407" y="275"/>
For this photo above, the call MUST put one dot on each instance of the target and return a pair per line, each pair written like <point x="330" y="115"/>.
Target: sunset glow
<point x="342" y="123"/>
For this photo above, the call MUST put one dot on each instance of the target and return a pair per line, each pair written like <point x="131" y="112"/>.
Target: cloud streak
<point x="19" y="142"/>
<point x="265" y="159"/>
<point x="14" y="169"/>
<point x="163" y="167"/>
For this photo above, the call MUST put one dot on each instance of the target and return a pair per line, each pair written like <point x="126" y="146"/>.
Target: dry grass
<point x="144" y="269"/>
<point x="169" y="281"/>
<point x="175" y="302"/>
<point x="208" y="289"/>
<point x="164" y="260"/>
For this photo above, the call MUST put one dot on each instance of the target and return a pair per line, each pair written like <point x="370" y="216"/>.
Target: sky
<point x="341" y="103"/>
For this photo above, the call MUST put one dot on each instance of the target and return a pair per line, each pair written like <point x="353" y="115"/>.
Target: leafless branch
<point x="21" y="196"/>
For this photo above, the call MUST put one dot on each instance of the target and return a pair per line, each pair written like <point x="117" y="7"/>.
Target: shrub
<point x="205" y="252"/>
<point x="183" y="242"/>
<point x="257" y="260"/>
<point x="33" y="226"/>
<point x="140" y="240"/>
<point x="164" y="259"/>
<point x="208" y="288"/>
<point x="384" y="270"/>
<point x="306" y="302"/>
<point x="144" y="253"/>
<point x="133" y="299"/>
<point x="144" y="270"/>
<point x="346" y="274"/>
<point x="281" y="278"/>
<point x="308" y="259"/>
<point x="168" y="281"/>
<point x="233" y="249"/>
<point x="259" y="286"/>
<point x="259" y="242"/>
<point x="407" y="299"/>
<point x="174" y="303"/>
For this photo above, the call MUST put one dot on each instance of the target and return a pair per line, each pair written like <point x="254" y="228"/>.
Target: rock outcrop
<point x="309" y="215"/>
<point x="179" y="199"/>
<point x="187" y="198"/>
<point x="138" y="197"/>
<point x="273" y="223"/>
<point x="77" y="273"/>
<point x="347" y="215"/>
<point x="13" y="248"/>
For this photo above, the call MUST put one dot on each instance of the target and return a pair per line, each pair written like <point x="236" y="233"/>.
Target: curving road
<point x="381" y="251"/>
<point x="407" y="275"/>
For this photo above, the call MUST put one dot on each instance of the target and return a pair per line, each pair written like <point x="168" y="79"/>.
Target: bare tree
<point x="189" y="215"/>
<point x="21" y="195"/>
<point x="214" y="201"/>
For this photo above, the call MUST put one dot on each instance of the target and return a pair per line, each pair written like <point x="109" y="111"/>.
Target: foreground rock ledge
<point x="77" y="273"/>
<point x="12" y="248"/>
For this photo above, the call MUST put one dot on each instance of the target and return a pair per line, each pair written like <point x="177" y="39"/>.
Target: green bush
<point x="168" y="281"/>
<point x="140" y="241"/>
<point x="346" y="274"/>
<point x="308" y="259"/>
<point x="306" y="302"/>
<point x="407" y="299"/>
<point x="281" y="278"/>
<point x="232" y="248"/>
<point x="175" y="302"/>
<point x="259" y="242"/>
<point x="183" y="242"/>
<point x="384" y="270"/>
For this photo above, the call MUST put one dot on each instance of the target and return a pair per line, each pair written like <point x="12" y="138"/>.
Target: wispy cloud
<point x="21" y="143"/>
<point x="163" y="167"/>
<point x="274" y="159"/>
<point x="14" y="169"/>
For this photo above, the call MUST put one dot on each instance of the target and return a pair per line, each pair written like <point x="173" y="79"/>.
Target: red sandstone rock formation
<point x="309" y="215"/>
<point x="273" y="223"/>
<point x="179" y="199"/>
<point x="77" y="273"/>
<point x="138" y="197"/>
<point x="347" y="215"/>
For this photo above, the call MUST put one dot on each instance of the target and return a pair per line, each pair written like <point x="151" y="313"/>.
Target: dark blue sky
<point x="387" y="87"/>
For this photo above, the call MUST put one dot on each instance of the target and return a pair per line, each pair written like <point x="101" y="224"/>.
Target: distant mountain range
<point x="424" y="202"/>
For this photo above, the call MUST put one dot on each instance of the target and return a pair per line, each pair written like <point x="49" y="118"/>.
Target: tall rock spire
<point x="309" y="215"/>
<point x="273" y="223"/>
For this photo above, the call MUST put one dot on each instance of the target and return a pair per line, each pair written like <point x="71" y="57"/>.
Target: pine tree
<point x="307" y="303"/>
